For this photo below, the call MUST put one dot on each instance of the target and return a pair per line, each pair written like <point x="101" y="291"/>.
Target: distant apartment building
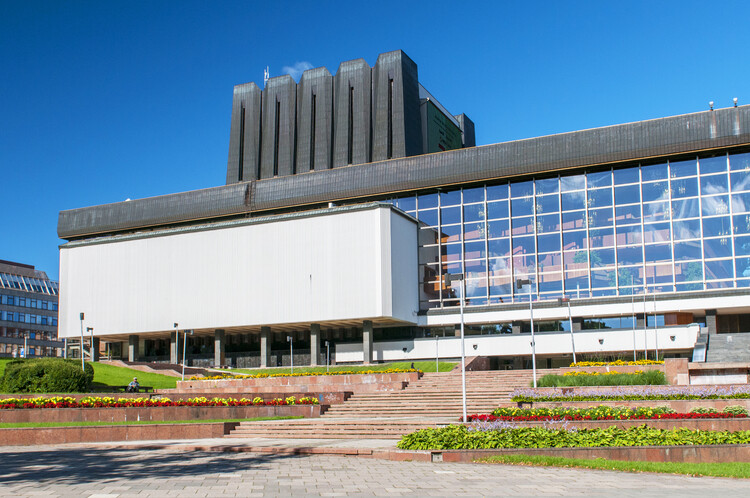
<point x="28" y="312"/>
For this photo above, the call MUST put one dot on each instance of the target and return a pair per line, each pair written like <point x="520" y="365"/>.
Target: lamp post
<point x="290" y="340"/>
<point x="81" y="316"/>
<point x="560" y="302"/>
<point x="450" y="277"/>
<point x="328" y="356"/>
<point x="184" y="348"/>
<point x="91" y="348"/>
<point x="437" y="354"/>
<point x="25" y="346"/>
<point x="656" y="329"/>
<point x="520" y="283"/>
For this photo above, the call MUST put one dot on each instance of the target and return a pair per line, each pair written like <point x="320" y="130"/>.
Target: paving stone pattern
<point x="97" y="472"/>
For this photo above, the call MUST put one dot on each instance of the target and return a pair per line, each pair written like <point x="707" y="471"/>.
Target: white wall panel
<point x="317" y="268"/>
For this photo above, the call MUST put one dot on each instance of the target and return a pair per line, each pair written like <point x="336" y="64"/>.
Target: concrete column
<point x="640" y="321"/>
<point x="711" y="322"/>
<point x="367" y="333"/>
<point x="141" y="349"/>
<point x="219" y="344"/>
<point x="133" y="344"/>
<point x="95" y="349"/>
<point x="174" y="346"/>
<point x="265" y="346"/>
<point x="314" y="344"/>
<point x="515" y="328"/>
<point x="577" y="323"/>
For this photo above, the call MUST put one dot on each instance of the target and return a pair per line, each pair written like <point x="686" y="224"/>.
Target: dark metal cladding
<point x="351" y="93"/>
<point x="467" y="130"/>
<point x="689" y="133"/>
<point x="397" y="120"/>
<point x="279" y="110"/>
<point x="314" y="120"/>
<point x="244" y="138"/>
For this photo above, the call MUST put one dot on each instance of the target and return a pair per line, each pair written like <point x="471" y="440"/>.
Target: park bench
<point x="141" y="389"/>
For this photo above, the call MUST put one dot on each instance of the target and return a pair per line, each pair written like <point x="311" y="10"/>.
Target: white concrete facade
<point x="332" y="265"/>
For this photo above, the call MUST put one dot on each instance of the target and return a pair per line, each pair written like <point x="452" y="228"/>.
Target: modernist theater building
<point x="349" y="199"/>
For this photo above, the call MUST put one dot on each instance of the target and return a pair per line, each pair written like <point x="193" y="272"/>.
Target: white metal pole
<point x="328" y="356"/>
<point x="533" y="341"/>
<point x="25" y="346"/>
<point x="656" y="332"/>
<point x="184" y="349"/>
<point x="83" y="367"/>
<point x="65" y="348"/>
<point x="645" y="326"/>
<point x="291" y="350"/>
<point x="437" y="354"/>
<point x="91" y="349"/>
<point x="463" y="351"/>
<point x="632" y="306"/>
<point x="572" y="338"/>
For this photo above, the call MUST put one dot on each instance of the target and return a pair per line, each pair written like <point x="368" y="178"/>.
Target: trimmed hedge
<point x="46" y="375"/>
<point x="460" y="437"/>
<point x="647" y="378"/>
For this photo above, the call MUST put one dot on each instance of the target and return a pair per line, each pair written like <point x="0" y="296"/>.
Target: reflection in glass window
<point x="498" y="228"/>
<point x="497" y="192"/>
<point x="688" y="208"/>
<point x="476" y="287"/>
<point x="599" y="179"/>
<point x="679" y="169"/>
<point x="741" y="224"/>
<point x="600" y="198"/>
<point x="521" y="189"/>
<point x="547" y="204"/>
<point x="716" y="164"/>
<point x="497" y="210"/>
<point x="740" y="181"/>
<point x="657" y="191"/>
<point x="548" y="223"/>
<point x="739" y="161"/>
<point x="450" y="233"/>
<point x="717" y="270"/>
<point x="687" y="250"/>
<point x="524" y="264"/>
<point x="498" y="247"/>
<point x="656" y="211"/>
<point x="714" y="184"/>
<point x="473" y="195"/>
<point x="716" y="227"/>
<point x="602" y="278"/>
<point x="743" y="267"/>
<point x="451" y="252"/>
<point x="601" y="237"/>
<point x="578" y="260"/>
<point x="658" y="253"/>
<point x="742" y="246"/>
<point x="626" y="175"/>
<point x="629" y="235"/>
<point x="429" y="217"/>
<point x="450" y="215"/>
<point x="523" y="226"/>
<point x="629" y="255"/>
<point x="450" y="198"/>
<point x="550" y="282"/>
<point x="550" y="262"/>
<point x="717" y="248"/>
<point x="741" y="203"/>
<point x="524" y="245"/>
<point x="627" y="215"/>
<point x="574" y="220"/>
<point x="715" y="205"/>
<point x="573" y="182"/>
<point x="629" y="276"/>
<point x="627" y="194"/>
<point x="522" y="207"/>
<point x="688" y="229"/>
<point x="548" y="243"/>
<point x="573" y="200"/>
<point x="474" y="231"/>
<point x="576" y="281"/>
<point x="685" y="187"/>
<point x="688" y="272"/>
<point x="427" y="201"/>
<point x="476" y="269"/>
<point x="547" y="186"/>
<point x="602" y="257"/>
<point x="575" y="240"/>
<point x="499" y="266"/>
<point x="500" y="286"/>
<point x="659" y="274"/>
<point x="474" y="250"/>
<point x="599" y="218"/>
<point x="654" y="172"/>
<point x="474" y="212"/>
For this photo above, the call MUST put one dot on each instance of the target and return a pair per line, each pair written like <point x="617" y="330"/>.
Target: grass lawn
<point x="133" y="422"/>
<point x="110" y="375"/>
<point x="425" y="366"/>
<point x="728" y="469"/>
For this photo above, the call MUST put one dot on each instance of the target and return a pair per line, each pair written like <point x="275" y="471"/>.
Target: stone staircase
<point x="432" y="401"/>
<point x="728" y="348"/>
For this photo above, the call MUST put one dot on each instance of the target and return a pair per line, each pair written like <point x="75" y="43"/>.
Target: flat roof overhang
<point x="631" y="142"/>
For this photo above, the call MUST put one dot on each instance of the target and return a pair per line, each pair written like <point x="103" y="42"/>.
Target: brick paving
<point x="90" y="471"/>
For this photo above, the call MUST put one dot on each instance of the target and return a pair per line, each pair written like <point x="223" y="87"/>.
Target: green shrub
<point x="702" y="409"/>
<point x="46" y="375"/>
<point x="736" y="410"/>
<point x="459" y="437"/>
<point x="647" y="378"/>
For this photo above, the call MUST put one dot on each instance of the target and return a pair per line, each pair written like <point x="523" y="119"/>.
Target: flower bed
<point x="632" y="393"/>
<point x="604" y="413"/>
<point x="108" y="402"/>
<point x="616" y="363"/>
<point x="498" y="436"/>
<point x="612" y="378"/>
<point x="304" y="374"/>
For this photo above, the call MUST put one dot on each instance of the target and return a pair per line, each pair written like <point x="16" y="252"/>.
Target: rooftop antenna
<point x="711" y="106"/>
<point x="266" y="75"/>
<point x="735" y="101"/>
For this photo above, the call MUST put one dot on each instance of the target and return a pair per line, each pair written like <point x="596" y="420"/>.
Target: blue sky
<point x="103" y="101"/>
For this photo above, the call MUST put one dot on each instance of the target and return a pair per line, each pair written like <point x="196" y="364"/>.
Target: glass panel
<point x="599" y="179"/>
<point x="688" y="208"/>
<point x="657" y="191"/>
<point x="548" y="223"/>
<point x="548" y="243"/>
<point x="726" y="284"/>
<point x="741" y="202"/>
<point x="626" y="175"/>
<point x="656" y="211"/>
<point x="500" y="286"/>
<point x="524" y="264"/>
<point x="523" y="226"/>
<point x="686" y="187"/>
<point x="497" y="192"/>
<point x="717" y="248"/>
<point x="715" y="227"/>
<point x="428" y="254"/>
<point x="476" y="269"/>
<point x="654" y="172"/>
<point x="602" y="278"/>
<point x="523" y="245"/>
<point x="497" y="210"/>
<point x="550" y="282"/>
<point x="629" y="235"/>
<point x="450" y="252"/>
<point x="659" y="274"/>
<point x="474" y="231"/>
<point x="628" y="194"/>
<point x="521" y="189"/>
<point x="714" y="184"/>
<point x="574" y="220"/>
<point x="600" y="198"/>
<point x="547" y="186"/>
<point x="573" y="200"/>
<point x="743" y="267"/>
<point x="629" y="277"/>
<point x="576" y="281"/>
<point x="740" y="181"/>
<point x="426" y="201"/>
<point x="474" y="212"/>
<point x="547" y="204"/>
<point x="430" y="217"/>
<point x="741" y="224"/>
<point x="601" y="217"/>
<point x="499" y="267"/>
<point x="476" y="288"/>
<point x="629" y="255"/>
<point x="550" y="262"/>
<point x="680" y="169"/>
<point x="601" y="237"/>
<point x="626" y="215"/>
<point x="717" y="270"/>
<point x="568" y="183"/>
<point x="522" y="207"/>
<point x="450" y="198"/>
<point x="687" y="250"/>
<point x="715" y="205"/>
<point x="742" y="246"/>
<point x="690" y="229"/>
<point x="688" y="272"/>
<point x="739" y="161"/>
<point x="498" y="228"/>
<point x="602" y="257"/>
<point x="474" y="250"/>
<point x="574" y="240"/>
<point x="451" y="215"/>
<point x="498" y="247"/>
<point x="407" y="203"/>
<point x="658" y="253"/>
<point x="713" y="164"/>
<point x="473" y="195"/>
<point x="450" y="233"/>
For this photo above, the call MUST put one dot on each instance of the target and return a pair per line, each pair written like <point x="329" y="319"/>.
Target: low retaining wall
<point x="355" y="383"/>
<point x="705" y="424"/>
<point x="102" y="433"/>
<point x="166" y="413"/>
<point x="678" y="405"/>
<point x="327" y="398"/>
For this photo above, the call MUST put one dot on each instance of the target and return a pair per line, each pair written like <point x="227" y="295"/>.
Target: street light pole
<point x="570" y="325"/>
<point x="290" y="340"/>
<point x="81" y="316"/>
<point x="520" y="283"/>
<point x="328" y="356"/>
<point x="437" y="354"/>
<point x="448" y="279"/>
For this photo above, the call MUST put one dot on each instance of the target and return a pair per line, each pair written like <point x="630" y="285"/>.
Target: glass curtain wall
<point x="675" y="226"/>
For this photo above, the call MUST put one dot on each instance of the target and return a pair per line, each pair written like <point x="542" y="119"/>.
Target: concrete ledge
<point x="159" y="414"/>
<point x="678" y="405"/>
<point x="704" y="424"/>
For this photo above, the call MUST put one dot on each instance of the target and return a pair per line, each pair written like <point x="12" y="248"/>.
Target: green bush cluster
<point x="460" y="437"/>
<point x="646" y="378"/>
<point x="595" y="412"/>
<point x="734" y="410"/>
<point x="46" y="375"/>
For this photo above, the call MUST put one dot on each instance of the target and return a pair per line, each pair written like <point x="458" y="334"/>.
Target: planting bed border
<point x="703" y="424"/>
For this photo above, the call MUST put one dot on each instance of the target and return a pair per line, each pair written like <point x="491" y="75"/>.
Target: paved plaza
<point x="90" y="471"/>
